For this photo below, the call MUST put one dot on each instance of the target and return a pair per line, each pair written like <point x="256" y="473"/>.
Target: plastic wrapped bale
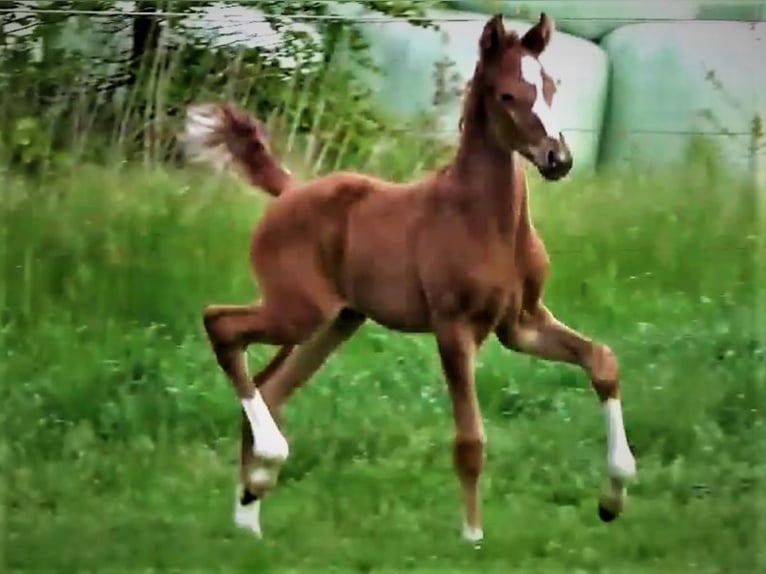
<point x="591" y="19"/>
<point x="409" y="57"/>
<point x="673" y="80"/>
<point x="739" y="10"/>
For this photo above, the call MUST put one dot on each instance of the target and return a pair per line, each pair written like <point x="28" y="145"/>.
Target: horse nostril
<point x="552" y="158"/>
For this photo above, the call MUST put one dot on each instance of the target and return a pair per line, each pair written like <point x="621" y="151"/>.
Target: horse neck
<point x="485" y="169"/>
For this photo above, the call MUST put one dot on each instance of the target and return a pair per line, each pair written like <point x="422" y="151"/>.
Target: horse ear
<point x="492" y="36"/>
<point x="536" y="39"/>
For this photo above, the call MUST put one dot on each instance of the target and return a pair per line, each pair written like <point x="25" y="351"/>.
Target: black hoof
<point x="605" y="514"/>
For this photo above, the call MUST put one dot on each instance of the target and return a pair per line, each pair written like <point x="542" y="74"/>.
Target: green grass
<point x="121" y="433"/>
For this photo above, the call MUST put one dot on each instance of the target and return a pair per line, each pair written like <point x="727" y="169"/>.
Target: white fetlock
<point x="621" y="465"/>
<point x="472" y="534"/>
<point x="269" y="444"/>
<point x="620" y="462"/>
<point x="248" y="517"/>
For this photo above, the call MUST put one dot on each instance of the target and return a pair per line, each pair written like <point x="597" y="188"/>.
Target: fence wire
<point x="311" y="17"/>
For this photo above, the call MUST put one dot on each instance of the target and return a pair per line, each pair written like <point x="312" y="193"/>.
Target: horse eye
<point x="506" y="98"/>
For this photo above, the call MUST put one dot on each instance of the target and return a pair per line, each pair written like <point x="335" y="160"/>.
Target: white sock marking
<point x="620" y="462"/>
<point x="248" y="517"/>
<point x="472" y="534"/>
<point x="532" y="73"/>
<point x="268" y="442"/>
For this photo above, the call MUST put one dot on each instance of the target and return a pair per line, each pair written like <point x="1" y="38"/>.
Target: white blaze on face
<point x="532" y="73"/>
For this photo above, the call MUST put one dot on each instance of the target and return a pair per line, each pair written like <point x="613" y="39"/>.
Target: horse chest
<point x="491" y="276"/>
<point x="478" y="291"/>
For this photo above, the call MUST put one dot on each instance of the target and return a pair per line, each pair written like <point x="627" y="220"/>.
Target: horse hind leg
<point x="246" y="504"/>
<point x="230" y="329"/>
<point x="298" y="366"/>
<point x="540" y="334"/>
<point x="289" y="369"/>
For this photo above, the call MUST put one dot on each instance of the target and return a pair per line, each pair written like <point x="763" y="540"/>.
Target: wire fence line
<point x="434" y="132"/>
<point x="639" y="131"/>
<point x="446" y="132"/>
<point x="309" y="17"/>
<point x="495" y="3"/>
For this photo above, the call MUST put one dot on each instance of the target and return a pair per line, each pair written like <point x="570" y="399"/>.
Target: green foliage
<point x="121" y="431"/>
<point x="112" y="86"/>
<point x="121" y="427"/>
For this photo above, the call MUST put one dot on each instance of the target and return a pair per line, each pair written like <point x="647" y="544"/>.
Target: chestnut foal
<point x="454" y="254"/>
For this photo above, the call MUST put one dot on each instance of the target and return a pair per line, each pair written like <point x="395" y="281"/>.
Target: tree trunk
<point x="146" y="38"/>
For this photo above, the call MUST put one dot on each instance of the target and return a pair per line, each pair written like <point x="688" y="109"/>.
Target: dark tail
<point x="224" y="136"/>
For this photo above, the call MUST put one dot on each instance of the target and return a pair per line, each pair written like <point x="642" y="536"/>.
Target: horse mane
<point x="466" y="95"/>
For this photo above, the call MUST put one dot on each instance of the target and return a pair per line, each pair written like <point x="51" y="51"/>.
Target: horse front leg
<point x="540" y="334"/>
<point x="457" y="350"/>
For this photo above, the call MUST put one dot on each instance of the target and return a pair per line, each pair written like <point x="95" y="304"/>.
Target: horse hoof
<point x="605" y="514"/>
<point x="472" y="535"/>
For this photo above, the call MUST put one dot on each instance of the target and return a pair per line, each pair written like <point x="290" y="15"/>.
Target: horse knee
<point x="468" y="456"/>
<point x="604" y="372"/>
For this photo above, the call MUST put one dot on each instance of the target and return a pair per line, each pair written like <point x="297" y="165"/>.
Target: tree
<point x="113" y="73"/>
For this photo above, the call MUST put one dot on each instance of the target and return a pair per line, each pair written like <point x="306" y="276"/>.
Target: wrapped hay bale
<point x="672" y="80"/>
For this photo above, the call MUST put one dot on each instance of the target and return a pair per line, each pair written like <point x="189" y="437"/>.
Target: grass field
<point x="121" y="432"/>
